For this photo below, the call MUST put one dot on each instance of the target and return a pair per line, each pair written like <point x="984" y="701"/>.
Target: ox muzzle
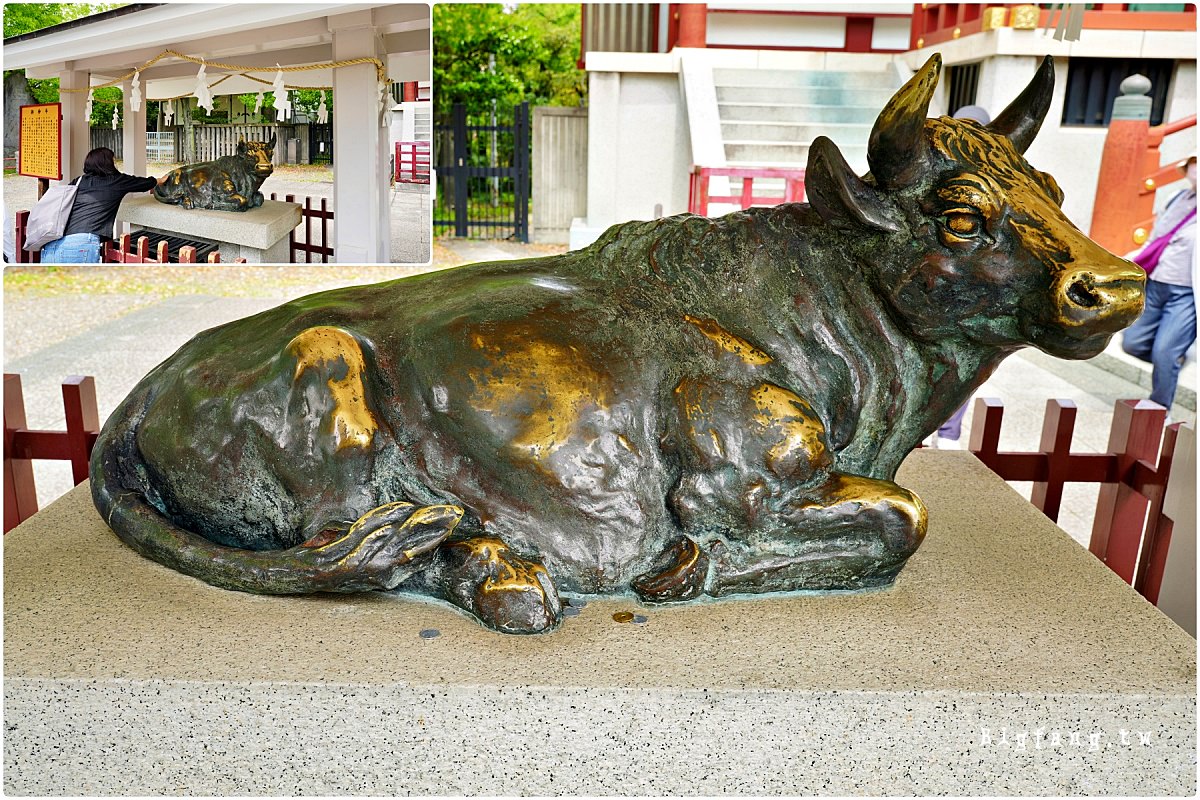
<point x="1099" y="298"/>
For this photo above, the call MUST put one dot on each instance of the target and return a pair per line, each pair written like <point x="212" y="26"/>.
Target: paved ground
<point x="411" y="209"/>
<point x="116" y="323"/>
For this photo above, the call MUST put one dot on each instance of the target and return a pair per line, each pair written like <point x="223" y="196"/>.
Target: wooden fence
<point x="308" y="247"/>
<point x="1131" y="529"/>
<point x="107" y="137"/>
<point x="1131" y="533"/>
<point x="412" y="162"/>
<point x="22" y="445"/>
<point x="699" y="196"/>
<point x="209" y="142"/>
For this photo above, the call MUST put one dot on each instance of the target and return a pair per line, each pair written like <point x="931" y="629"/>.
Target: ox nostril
<point x="1082" y="292"/>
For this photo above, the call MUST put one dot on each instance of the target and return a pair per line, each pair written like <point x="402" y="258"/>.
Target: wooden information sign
<point x="39" y="146"/>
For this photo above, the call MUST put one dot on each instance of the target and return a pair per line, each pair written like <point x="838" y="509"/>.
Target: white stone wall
<point x="639" y="153"/>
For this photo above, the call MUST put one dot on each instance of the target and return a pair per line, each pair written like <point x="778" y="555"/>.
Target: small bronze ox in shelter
<point x="231" y="183"/>
<point x="687" y="407"/>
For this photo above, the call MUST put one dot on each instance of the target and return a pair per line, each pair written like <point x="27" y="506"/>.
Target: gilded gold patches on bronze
<point x="547" y="385"/>
<point x="799" y="430"/>
<point x="710" y="407"/>
<point x="729" y="343"/>
<point x="353" y="424"/>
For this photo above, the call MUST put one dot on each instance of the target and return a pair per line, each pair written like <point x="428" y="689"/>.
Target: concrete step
<point x="797" y="112"/>
<point x="844" y="135"/>
<point x="780" y="78"/>
<point x="804" y="95"/>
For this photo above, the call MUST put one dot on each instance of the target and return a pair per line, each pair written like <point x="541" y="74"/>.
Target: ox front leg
<point x="849" y="533"/>
<point x="764" y="511"/>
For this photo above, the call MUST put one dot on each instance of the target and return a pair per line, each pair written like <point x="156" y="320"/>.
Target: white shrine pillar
<point x="360" y="156"/>
<point x="133" y="140"/>
<point x="133" y="134"/>
<point x="76" y="134"/>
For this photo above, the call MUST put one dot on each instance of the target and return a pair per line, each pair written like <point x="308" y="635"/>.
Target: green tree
<point x="510" y="53"/>
<point x="22" y="18"/>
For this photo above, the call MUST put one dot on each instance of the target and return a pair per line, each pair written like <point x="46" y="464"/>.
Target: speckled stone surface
<point x="1006" y="660"/>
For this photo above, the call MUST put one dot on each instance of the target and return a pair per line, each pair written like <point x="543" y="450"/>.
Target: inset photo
<point x="220" y="132"/>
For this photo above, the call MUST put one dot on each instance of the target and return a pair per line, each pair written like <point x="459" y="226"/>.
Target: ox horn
<point x="1023" y="117"/>
<point x="895" y="150"/>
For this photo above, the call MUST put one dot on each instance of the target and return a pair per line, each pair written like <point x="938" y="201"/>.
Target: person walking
<point x="90" y="224"/>
<point x="1167" y="328"/>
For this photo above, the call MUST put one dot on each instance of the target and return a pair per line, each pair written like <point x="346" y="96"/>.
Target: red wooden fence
<point x="24" y="256"/>
<point x="699" y="196"/>
<point x="1130" y="530"/>
<point x="309" y="247"/>
<point x="22" y="445"/>
<point x="121" y="252"/>
<point x="412" y="162"/>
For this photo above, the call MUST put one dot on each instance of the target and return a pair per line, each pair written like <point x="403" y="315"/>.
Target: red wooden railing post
<point x="83" y="422"/>
<point x="1058" y="426"/>
<point x="985" y="428"/>
<point x="1121" y="510"/>
<point x="1153" y="558"/>
<point x="20" y="494"/>
<point x="693" y="25"/>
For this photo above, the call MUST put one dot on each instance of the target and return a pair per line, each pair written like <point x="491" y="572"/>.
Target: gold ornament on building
<point x="993" y="18"/>
<point x="1149" y="184"/>
<point x="1025" y="18"/>
<point x="957" y="33"/>
<point x="1140" y="235"/>
<point x="920" y="42"/>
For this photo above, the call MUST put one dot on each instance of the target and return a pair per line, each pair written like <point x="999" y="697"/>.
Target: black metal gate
<point x="320" y="143"/>
<point x="483" y="175"/>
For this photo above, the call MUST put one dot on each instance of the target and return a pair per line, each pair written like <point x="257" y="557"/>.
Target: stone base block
<point x="259" y="235"/>
<point x="1006" y="660"/>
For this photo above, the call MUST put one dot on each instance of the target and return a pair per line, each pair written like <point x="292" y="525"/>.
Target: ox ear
<point x="271" y="144"/>
<point x="839" y="195"/>
<point x="895" y="150"/>
<point x="1022" y="119"/>
<point x="241" y="148"/>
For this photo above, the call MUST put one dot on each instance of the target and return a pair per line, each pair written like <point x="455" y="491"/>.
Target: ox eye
<point x="964" y="224"/>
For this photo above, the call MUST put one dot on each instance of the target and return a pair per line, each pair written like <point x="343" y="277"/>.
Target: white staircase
<point x="769" y="117"/>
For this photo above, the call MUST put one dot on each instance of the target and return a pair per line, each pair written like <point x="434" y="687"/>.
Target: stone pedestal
<point x="259" y="235"/>
<point x="1006" y="660"/>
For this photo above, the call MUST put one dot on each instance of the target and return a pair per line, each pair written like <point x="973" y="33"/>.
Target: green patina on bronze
<point x="688" y="407"/>
<point x="229" y="183"/>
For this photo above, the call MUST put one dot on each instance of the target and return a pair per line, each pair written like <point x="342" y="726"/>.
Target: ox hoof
<point x="503" y="591"/>
<point x="678" y="574"/>
<point x="382" y="548"/>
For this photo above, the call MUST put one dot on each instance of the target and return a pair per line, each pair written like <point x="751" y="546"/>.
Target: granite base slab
<point x="1006" y="660"/>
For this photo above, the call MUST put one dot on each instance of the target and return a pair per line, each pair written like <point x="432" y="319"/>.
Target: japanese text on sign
<point x="39" y="143"/>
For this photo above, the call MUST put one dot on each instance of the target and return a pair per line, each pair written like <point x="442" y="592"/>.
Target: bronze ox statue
<point x="231" y="183"/>
<point x="687" y="407"/>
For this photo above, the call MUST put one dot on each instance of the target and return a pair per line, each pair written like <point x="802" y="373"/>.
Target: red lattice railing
<point x="699" y="195"/>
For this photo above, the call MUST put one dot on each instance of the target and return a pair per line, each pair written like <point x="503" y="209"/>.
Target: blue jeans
<point x="1162" y="335"/>
<point x="75" y="248"/>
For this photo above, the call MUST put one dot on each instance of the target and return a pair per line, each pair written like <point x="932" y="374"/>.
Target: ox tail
<point x="379" y="551"/>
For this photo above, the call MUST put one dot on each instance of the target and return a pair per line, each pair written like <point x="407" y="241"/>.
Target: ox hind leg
<point x="762" y="509"/>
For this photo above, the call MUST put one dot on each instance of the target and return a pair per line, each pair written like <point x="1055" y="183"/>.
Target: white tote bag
<point x="48" y="219"/>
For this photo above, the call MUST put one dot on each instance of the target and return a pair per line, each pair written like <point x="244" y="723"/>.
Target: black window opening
<point x="964" y="82"/>
<point x="1093" y="84"/>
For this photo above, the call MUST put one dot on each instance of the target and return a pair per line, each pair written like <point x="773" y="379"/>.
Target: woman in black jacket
<point x="97" y="199"/>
